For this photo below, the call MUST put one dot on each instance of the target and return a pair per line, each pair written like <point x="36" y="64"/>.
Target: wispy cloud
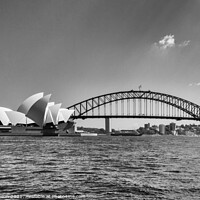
<point x="168" y="42"/>
<point x="184" y="44"/>
<point x="194" y="84"/>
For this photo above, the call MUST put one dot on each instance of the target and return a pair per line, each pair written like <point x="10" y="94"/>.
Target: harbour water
<point x="146" y="167"/>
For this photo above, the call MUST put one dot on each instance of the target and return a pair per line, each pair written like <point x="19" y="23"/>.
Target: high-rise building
<point x="172" y="126"/>
<point x="162" y="129"/>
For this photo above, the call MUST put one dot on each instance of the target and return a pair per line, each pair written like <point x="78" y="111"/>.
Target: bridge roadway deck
<point x="132" y="116"/>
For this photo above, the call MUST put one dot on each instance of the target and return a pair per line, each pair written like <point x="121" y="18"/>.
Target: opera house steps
<point x="21" y="131"/>
<point x="34" y="131"/>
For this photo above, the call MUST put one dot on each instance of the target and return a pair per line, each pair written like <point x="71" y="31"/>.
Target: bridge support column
<point x="107" y="125"/>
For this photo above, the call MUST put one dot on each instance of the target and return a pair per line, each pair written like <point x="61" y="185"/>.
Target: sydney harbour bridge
<point x="136" y="104"/>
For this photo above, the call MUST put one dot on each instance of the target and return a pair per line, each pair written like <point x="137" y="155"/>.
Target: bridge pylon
<point x="107" y="125"/>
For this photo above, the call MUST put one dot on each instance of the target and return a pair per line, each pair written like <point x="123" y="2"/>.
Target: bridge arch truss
<point x="136" y="104"/>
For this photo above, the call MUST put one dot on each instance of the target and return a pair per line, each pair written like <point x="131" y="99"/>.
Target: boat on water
<point x="89" y="134"/>
<point x="85" y="133"/>
<point x="126" y="133"/>
<point x="77" y="133"/>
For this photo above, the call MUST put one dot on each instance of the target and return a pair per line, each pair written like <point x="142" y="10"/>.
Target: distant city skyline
<point x="84" y="48"/>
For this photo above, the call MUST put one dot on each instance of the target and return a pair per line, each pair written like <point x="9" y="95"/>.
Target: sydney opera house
<point x="37" y="115"/>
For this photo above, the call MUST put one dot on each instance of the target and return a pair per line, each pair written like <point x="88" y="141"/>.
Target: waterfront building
<point x="155" y="127"/>
<point x="147" y="126"/>
<point x="172" y="126"/>
<point x="36" y="109"/>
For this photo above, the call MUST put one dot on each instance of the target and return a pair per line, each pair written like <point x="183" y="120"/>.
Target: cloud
<point x="194" y="84"/>
<point x="168" y="42"/>
<point x="184" y="44"/>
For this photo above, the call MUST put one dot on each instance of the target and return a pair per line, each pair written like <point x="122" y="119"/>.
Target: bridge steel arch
<point x="180" y="108"/>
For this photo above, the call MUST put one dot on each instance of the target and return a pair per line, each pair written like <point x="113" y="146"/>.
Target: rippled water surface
<point x="161" y="167"/>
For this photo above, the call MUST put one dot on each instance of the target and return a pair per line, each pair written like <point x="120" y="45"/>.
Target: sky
<point x="77" y="49"/>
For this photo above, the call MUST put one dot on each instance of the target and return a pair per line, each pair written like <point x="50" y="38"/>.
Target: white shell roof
<point x="54" y="109"/>
<point x="38" y="110"/>
<point x="28" y="103"/>
<point x="3" y="116"/>
<point x="48" y="116"/>
<point x="18" y="118"/>
<point x="64" y="114"/>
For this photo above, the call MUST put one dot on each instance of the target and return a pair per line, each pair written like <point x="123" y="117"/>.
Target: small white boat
<point x="88" y="134"/>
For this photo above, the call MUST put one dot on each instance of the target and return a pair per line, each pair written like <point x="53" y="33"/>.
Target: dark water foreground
<point x="143" y="167"/>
